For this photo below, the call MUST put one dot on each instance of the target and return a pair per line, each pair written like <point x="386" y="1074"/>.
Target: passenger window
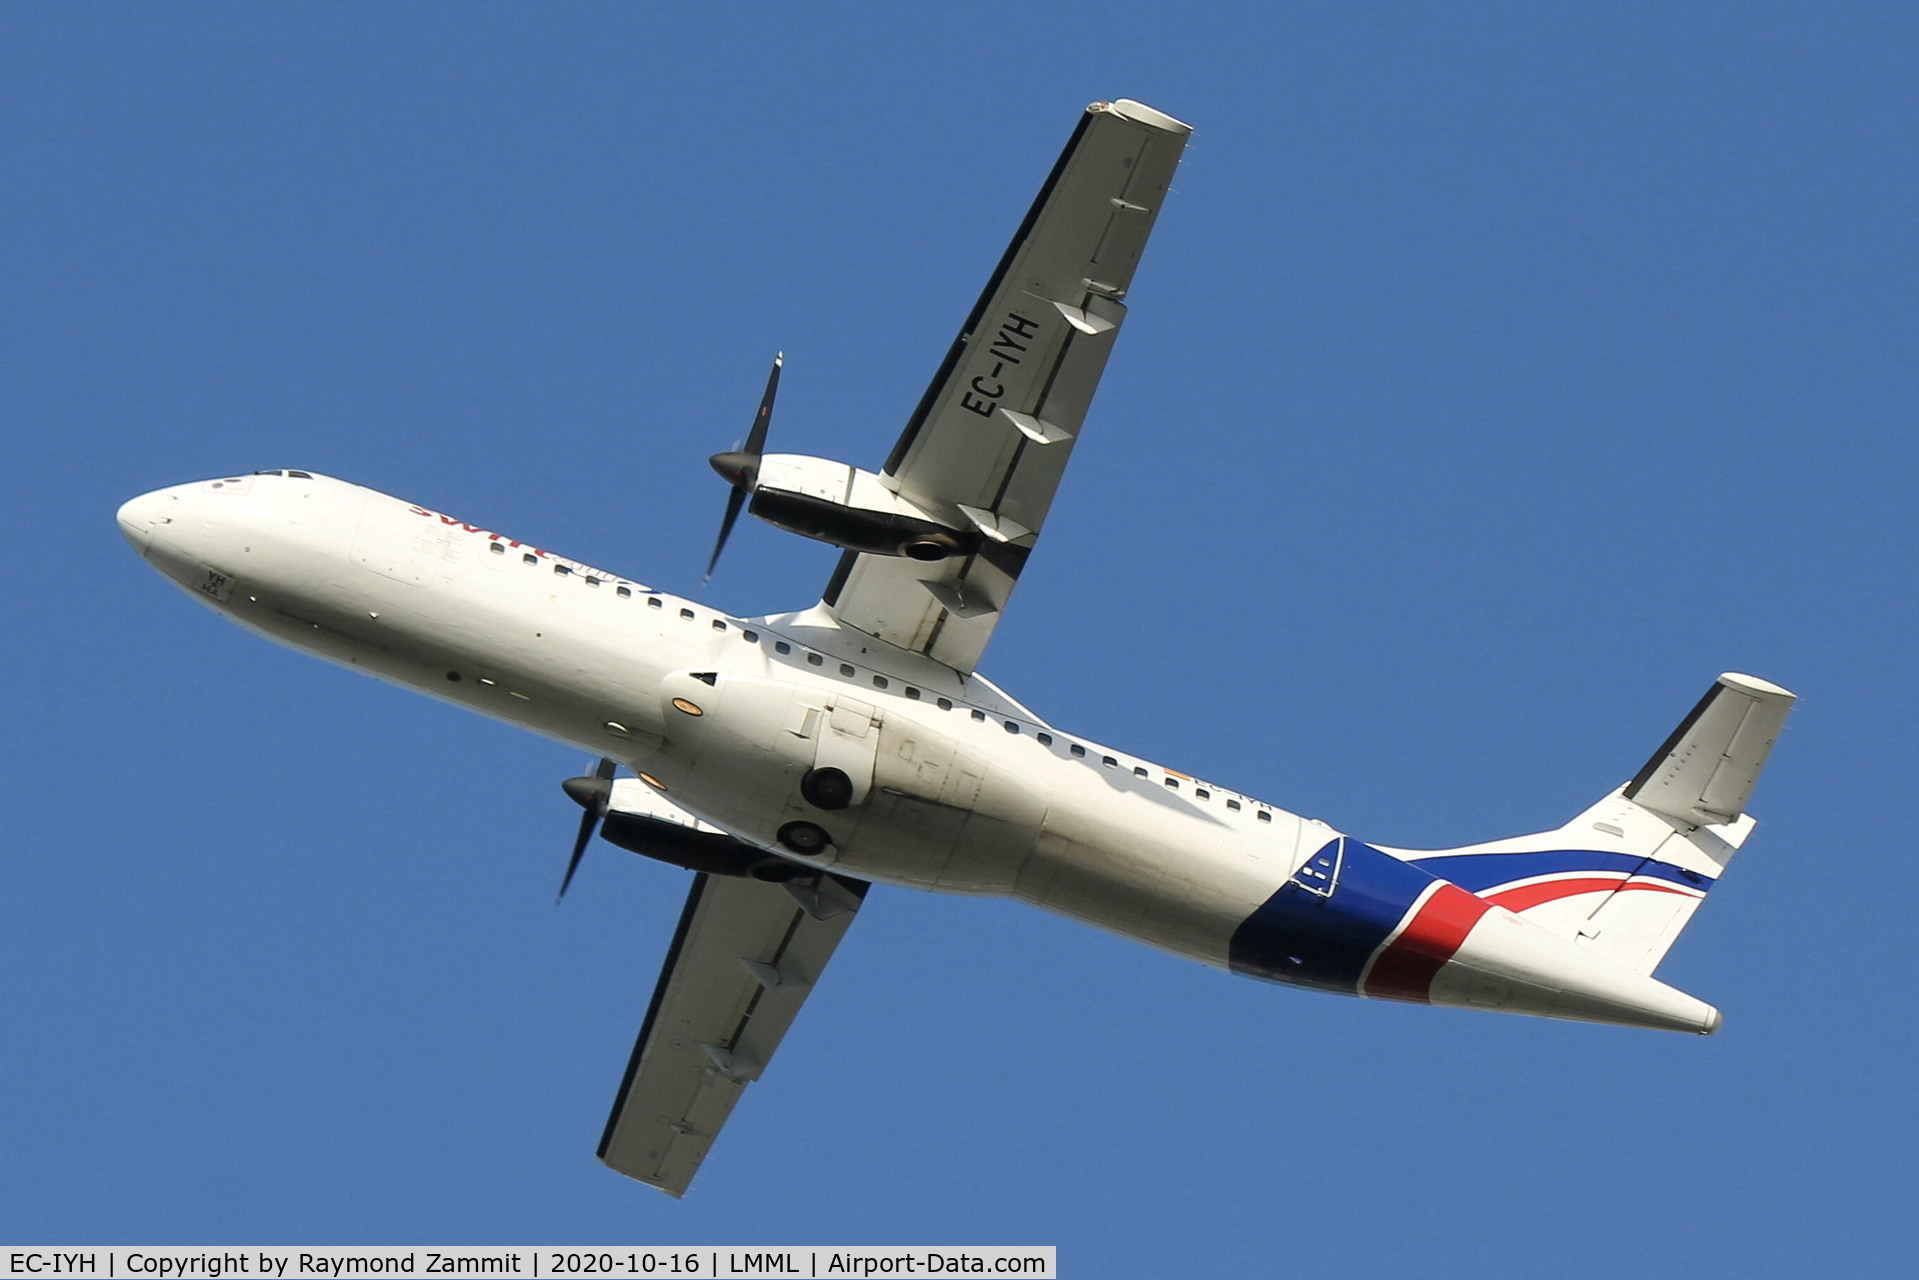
<point x="687" y="614"/>
<point x="1173" y="783"/>
<point x="1077" y="750"/>
<point x="846" y="668"/>
<point x="530" y="558"/>
<point x="815" y="659"/>
<point x="979" y="715"/>
<point x="562" y="570"/>
<point x="626" y="592"/>
<point x="912" y="693"/>
<point x="1139" y="771"/>
<point x="1012" y="726"/>
<point x="945" y="704"/>
<point x="497" y="548"/>
<point x="780" y="646"/>
<point x="1045" y="739"/>
<point x="879" y="682"/>
<point x="1232" y="804"/>
<point x="751" y="637"/>
<point x="1201" y="793"/>
<point x="592" y="581"/>
<point x="652" y="602"/>
<point x="719" y="624"/>
<point x="1265" y="816"/>
<point x="1109" y="762"/>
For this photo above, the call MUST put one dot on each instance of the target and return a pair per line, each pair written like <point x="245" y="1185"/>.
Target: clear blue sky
<point x="1497" y="376"/>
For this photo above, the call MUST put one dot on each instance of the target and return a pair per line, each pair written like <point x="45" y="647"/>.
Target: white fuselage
<point x="956" y="786"/>
<point x="969" y="792"/>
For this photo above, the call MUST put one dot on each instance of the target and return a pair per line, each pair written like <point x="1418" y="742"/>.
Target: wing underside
<point x="990" y="439"/>
<point x="742" y="961"/>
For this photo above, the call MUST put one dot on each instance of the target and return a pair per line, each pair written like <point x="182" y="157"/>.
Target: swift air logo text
<point x="575" y="565"/>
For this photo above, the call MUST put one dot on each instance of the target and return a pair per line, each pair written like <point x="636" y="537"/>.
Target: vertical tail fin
<point x="1625" y="876"/>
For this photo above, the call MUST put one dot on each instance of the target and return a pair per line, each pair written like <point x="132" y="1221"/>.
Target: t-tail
<point x="1624" y="877"/>
<point x="1563" y="924"/>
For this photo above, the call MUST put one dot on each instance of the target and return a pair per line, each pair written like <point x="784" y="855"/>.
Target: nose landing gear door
<point x="848" y="740"/>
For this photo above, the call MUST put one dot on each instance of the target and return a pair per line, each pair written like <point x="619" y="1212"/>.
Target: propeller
<point x="741" y="467"/>
<point x="591" y="793"/>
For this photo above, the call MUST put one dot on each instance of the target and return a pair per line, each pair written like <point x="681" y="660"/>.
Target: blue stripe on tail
<point x="1478" y="872"/>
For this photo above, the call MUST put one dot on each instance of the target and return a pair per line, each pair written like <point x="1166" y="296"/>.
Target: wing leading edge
<point x="743" y="960"/>
<point x="990" y="438"/>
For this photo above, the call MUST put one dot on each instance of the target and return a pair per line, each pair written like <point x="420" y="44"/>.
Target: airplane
<point x="793" y="760"/>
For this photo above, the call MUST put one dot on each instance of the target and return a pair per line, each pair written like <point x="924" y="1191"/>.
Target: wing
<point x="991" y="437"/>
<point x="742" y="961"/>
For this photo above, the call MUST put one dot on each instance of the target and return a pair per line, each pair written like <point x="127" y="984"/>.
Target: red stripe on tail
<point x="1531" y="895"/>
<point x="1405" y="969"/>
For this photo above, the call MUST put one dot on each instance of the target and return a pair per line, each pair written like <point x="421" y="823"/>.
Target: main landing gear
<point x="827" y="788"/>
<point x="804" y="838"/>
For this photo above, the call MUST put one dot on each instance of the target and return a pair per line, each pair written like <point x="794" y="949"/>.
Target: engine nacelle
<point x="640" y="820"/>
<point x="840" y="504"/>
<point x="713" y="852"/>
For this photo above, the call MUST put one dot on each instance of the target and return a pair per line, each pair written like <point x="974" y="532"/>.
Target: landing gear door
<point x="848" y="740"/>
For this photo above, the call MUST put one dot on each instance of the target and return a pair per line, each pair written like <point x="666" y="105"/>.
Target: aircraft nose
<point x="139" y="517"/>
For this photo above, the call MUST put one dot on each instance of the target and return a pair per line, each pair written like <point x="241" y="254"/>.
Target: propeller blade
<point x="741" y="467"/>
<point x="587" y="824"/>
<point x="756" y="438"/>
<point x="591" y="793"/>
<point x="734" y="502"/>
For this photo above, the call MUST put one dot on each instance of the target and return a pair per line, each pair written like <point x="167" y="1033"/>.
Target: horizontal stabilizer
<point x="1704" y="774"/>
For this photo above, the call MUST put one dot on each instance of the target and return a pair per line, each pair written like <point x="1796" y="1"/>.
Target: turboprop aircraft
<point x="792" y="760"/>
